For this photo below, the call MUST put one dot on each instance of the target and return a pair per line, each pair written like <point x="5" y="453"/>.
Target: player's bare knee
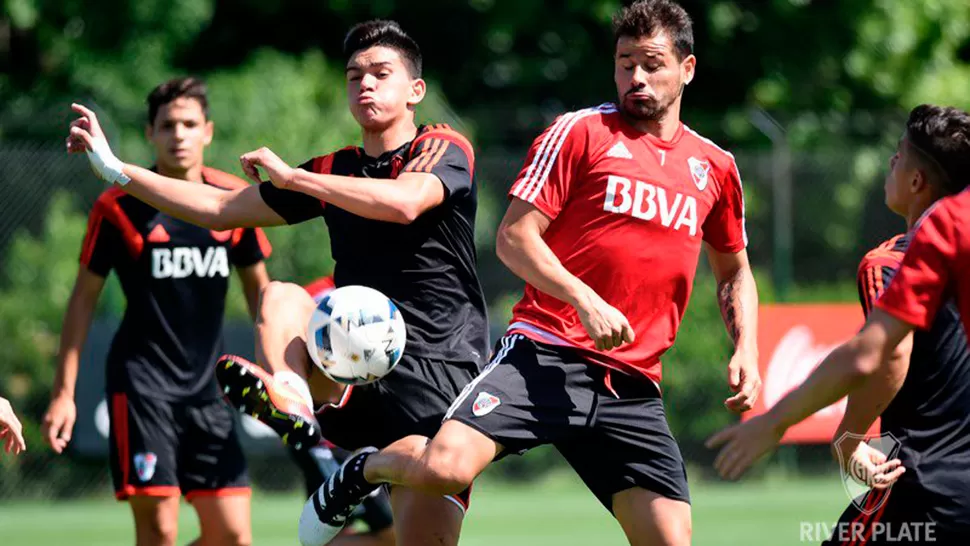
<point x="157" y="529"/>
<point x="227" y="537"/>
<point x="445" y="469"/>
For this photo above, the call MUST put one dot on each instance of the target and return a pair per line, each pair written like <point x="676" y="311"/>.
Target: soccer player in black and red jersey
<point x="606" y="224"/>
<point x="913" y="343"/>
<point x="401" y="213"/>
<point x="171" y="432"/>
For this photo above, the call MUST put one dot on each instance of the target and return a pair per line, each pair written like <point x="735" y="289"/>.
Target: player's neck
<point x="192" y="174"/>
<point x="391" y="138"/>
<point x="664" y="128"/>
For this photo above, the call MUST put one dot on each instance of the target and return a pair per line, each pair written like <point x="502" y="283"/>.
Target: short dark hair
<point x="941" y="135"/>
<point x="187" y="87"/>
<point x="644" y="18"/>
<point x="389" y="34"/>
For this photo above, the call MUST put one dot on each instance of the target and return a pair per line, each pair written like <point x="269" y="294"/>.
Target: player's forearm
<point x="372" y="198"/>
<point x="840" y="373"/>
<point x="198" y="204"/>
<point x="527" y="255"/>
<point x="74" y="331"/>
<point x="737" y="297"/>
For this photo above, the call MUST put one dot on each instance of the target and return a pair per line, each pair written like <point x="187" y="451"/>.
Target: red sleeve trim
<point x="108" y="208"/>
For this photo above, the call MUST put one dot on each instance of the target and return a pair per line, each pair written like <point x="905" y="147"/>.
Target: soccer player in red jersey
<point x="171" y="432"/>
<point x="606" y="223"/>
<point x="925" y="290"/>
<point x="11" y="431"/>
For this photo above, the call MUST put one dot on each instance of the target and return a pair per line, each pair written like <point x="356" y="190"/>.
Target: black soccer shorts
<point x="162" y="449"/>
<point x="609" y="426"/>
<point x="897" y="516"/>
<point x="412" y="399"/>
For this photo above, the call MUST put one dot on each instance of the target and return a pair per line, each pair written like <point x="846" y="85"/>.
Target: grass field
<point x="556" y="512"/>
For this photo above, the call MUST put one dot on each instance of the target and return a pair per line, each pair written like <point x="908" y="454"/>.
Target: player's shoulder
<point x="888" y="254"/>
<point x="323" y="164"/>
<point x="113" y="201"/>
<point x="222" y="179"/>
<point x="957" y="206"/>
<point x="443" y="131"/>
<point x="600" y="120"/>
<point x="700" y="145"/>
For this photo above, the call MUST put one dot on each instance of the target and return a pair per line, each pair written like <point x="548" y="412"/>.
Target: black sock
<point x="353" y="476"/>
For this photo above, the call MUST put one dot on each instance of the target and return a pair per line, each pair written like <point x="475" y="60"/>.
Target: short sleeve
<point x="555" y="159"/>
<point x="447" y="155"/>
<point x="102" y="242"/>
<point x="724" y="227"/>
<point x="249" y="247"/>
<point x="293" y="206"/>
<point x="920" y="285"/>
<point x="873" y="278"/>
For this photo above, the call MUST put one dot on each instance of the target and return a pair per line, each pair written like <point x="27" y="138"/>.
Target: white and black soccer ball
<point x="356" y="335"/>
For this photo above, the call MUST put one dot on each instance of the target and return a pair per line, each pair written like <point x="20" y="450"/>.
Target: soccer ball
<point x="356" y="335"/>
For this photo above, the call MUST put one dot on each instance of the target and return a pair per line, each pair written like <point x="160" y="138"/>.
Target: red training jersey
<point x="935" y="267"/>
<point x="629" y="212"/>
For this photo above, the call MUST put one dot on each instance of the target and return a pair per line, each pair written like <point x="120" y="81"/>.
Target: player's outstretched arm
<point x="870" y="399"/>
<point x="58" y="423"/>
<point x="845" y="369"/>
<point x="521" y="247"/>
<point x="401" y="200"/>
<point x="200" y="204"/>
<point x="737" y="296"/>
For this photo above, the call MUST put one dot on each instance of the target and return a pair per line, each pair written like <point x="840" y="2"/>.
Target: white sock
<point x="297" y="383"/>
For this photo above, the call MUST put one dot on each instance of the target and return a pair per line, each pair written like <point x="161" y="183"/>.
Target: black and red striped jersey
<point x="428" y="267"/>
<point x="930" y="416"/>
<point x="175" y="276"/>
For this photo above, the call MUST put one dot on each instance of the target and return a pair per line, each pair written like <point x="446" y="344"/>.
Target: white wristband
<point x="105" y="164"/>
<point x="297" y="383"/>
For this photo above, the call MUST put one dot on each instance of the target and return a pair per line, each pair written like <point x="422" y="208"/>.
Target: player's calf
<point x="442" y="466"/>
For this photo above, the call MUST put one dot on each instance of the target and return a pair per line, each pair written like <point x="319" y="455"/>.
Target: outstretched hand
<point x="86" y="136"/>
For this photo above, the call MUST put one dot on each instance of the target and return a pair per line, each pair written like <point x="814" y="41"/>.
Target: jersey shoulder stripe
<point x="442" y="132"/>
<point x="529" y="186"/>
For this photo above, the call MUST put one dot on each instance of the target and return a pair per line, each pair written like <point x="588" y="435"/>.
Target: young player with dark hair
<point x="606" y="223"/>
<point x="918" y="380"/>
<point x="401" y="213"/>
<point x="171" y="432"/>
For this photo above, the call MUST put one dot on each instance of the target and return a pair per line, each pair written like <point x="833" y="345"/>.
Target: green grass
<point x="558" y="511"/>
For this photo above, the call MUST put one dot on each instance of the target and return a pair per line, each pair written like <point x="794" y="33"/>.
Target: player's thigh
<point x="651" y="519"/>
<point x="630" y="461"/>
<point x="421" y="519"/>
<point x="211" y="460"/>
<point x="224" y="520"/>
<point x="528" y="395"/>
<point x="156" y="519"/>
<point x="284" y="312"/>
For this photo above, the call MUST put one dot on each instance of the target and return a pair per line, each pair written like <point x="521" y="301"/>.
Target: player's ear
<point x="918" y="182"/>
<point x="209" y="130"/>
<point x="418" y="89"/>
<point x="687" y="67"/>
<point x="149" y="132"/>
